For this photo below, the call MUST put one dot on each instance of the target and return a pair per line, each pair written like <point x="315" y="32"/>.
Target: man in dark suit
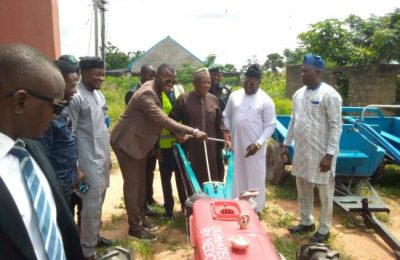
<point x="31" y="94"/>
<point x="135" y="135"/>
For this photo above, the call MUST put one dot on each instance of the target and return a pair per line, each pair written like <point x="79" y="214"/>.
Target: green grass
<point x="113" y="221"/>
<point x="388" y="184"/>
<point x="285" y="191"/>
<point x="287" y="247"/>
<point x="114" y="90"/>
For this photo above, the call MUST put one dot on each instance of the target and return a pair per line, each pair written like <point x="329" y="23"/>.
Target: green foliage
<point x="330" y="39"/>
<point x="114" y="89"/>
<point x="294" y="57"/>
<point x="352" y="41"/>
<point x="229" y="68"/>
<point x="184" y="74"/>
<point x="283" y="106"/>
<point x="273" y="62"/>
<point x="275" y="85"/>
<point x="388" y="184"/>
<point x="210" y="60"/>
<point x="116" y="59"/>
<point x="231" y="81"/>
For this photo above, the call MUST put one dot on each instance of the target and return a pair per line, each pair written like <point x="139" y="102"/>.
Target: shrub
<point x="114" y="90"/>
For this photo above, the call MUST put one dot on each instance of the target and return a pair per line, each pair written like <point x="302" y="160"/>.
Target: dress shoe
<point x="148" y="226"/>
<point x="104" y="242"/>
<point x="149" y="211"/>
<point x="319" y="238"/>
<point x="143" y="235"/>
<point x="299" y="229"/>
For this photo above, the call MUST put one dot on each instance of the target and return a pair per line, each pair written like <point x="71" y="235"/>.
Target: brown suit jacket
<point x="141" y="123"/>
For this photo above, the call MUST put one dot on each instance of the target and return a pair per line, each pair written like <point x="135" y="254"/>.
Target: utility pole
<point x="103" y="28"/>
<point x="96" y="28"/>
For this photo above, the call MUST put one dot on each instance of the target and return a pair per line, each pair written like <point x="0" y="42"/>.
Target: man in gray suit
<point x="134" y="136"/>
<point x="31" y="94"/>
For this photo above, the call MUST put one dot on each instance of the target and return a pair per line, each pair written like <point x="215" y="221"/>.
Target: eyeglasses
<point x="58" y="104"/>
<point x="168" y="81"/>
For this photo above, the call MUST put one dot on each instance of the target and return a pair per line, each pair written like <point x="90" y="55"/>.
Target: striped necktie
<point x="47" y="226"/>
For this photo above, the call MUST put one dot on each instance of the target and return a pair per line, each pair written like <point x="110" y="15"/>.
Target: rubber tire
<point x="316" y="251"/>
<point x="274" y="164"/>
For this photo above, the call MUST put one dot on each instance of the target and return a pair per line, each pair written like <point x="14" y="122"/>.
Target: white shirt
<point x="10" y="172"/>
<point x="250" y="119"/>
<point x="315" y="127"/>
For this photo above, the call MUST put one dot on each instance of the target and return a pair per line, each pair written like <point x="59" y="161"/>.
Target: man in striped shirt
<point x="315" y="128"/>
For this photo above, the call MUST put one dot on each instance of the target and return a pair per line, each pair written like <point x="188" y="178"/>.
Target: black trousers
<point x="150" y="167"/>
<point x="168" y="165"/>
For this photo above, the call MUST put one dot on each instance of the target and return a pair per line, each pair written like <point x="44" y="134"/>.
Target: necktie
<point x="47" y="226"/>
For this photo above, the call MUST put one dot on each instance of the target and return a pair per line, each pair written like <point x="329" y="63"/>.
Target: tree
<point x="353" y="41"/>
<point x="230" y="68"/>
<point x="293" y="57"/>
<point x="330" y="39"/>
<point x="116" y="59"/>
<point x="184" y="73"/>
<point x="210" y="60"/>
<point x="273" y="62"/>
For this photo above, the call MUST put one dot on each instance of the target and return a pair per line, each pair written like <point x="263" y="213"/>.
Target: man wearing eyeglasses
<point x="132" y="139"/>
<point x="87" y="111"/>
<point x="250" y="117"/>
<point x="31" y="94"/>
<point x="147" y="72"/>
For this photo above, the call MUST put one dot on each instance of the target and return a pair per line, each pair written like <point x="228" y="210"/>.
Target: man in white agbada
<point x="87" y="111"/>
<point x="250" y="117"/>
<point x="315" y="128"/>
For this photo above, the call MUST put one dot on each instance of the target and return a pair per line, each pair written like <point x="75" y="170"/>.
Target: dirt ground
<point x="353" y="243"/>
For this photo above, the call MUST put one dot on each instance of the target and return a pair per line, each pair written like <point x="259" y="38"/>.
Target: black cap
<point x="91" y="63"/>
<point x="254" y="71"/>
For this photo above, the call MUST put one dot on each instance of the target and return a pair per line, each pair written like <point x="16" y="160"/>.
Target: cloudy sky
<point x="234" y="30"/>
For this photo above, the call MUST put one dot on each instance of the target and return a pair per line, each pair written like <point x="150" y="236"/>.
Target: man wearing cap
<point x="222" y="92"/>
<point x="315" y="129"/>
<point x="218" y="89"/>
<point x="58" y="140"/>
<point x="87" y="111"/>
<point x="250" y="117"/>
<point x="199" y="109"/>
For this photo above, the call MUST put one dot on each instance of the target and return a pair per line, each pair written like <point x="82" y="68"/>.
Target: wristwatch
<point x="258" y="146"/>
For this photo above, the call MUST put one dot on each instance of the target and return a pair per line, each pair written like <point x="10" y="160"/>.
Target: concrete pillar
<point x="31" y="22"/>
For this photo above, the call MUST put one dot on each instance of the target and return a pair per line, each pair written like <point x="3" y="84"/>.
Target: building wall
<point x="33" y="22"/>
<point x="368" y="84"/>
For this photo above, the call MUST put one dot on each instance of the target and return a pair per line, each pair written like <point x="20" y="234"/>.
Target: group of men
<point x="42" y="100"/>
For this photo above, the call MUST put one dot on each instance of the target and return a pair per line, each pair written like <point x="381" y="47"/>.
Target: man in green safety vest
<point x="166" y="159"/>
